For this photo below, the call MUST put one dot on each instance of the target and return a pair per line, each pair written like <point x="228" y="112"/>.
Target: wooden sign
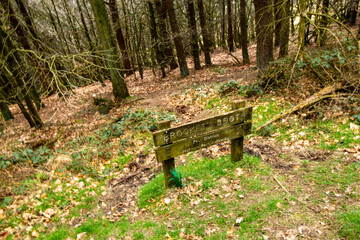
<point x="173" y="142"/>
<point x="171" y="135"/>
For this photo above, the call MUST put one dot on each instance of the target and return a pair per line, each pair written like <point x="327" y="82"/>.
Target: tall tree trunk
<point x="204" y="32"/>
<point x="165" y="39"/>
<point x="323" y="22"/>
<point x="5" y="111"/>
<point x="119" y="36"/>
<point x="159" y="54"/>
<point x="278" y="6"/>
<point x="285" y="29"/>
<point x="75" y="31"/>
<point x="222" y="43"/>
<point x="230" y="30"/>
<point x="264" y="33"/>
<point x="60" y="26"/>
<point x="120" y="90"/>
<point x="244" y="33"/>
<point x="177" y="38"/>
<point x="194" y="37"/>
<point x="302" y="25"/>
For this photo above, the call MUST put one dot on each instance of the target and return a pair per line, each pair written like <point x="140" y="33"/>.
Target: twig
<point x="300" y="201"/>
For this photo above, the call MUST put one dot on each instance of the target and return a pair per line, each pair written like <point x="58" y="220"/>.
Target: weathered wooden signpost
<point x="173" y="142"/>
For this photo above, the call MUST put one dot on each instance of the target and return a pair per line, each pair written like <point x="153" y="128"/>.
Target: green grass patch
<point x="349" y="222"/>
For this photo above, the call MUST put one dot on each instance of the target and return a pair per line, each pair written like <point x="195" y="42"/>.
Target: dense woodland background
<point x="55" y="46"/>
<point x="85" y="83"/>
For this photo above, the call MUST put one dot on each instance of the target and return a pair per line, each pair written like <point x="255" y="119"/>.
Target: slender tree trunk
<point x="302" y="25"/>
<point x="177" y="38"/>
<point x="278" y="6"/>
<point x="159" y="54"/>
<point x="194" y="37"/>
<point x="5" y="111"/>
<point x="119" y="36"/>
<point x="264" y="33"/>
<point x="323" y="22"/>
<point x="60" y="25"/>
<point x="244" y="33"/>
<point x="222" y="43"/>
<point x="204" y="32"/>
<point x="285" y="29"/>
<point x="84" y="25"/>
<point x="165" y="40"/>
<point x="75" y="31"/>
<point x="120" y="90"/>
<point x="230" y="30"/>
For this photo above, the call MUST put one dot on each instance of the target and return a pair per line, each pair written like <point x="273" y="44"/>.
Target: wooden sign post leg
<point x="168" y="164"/>
<point x="237" y="145"/>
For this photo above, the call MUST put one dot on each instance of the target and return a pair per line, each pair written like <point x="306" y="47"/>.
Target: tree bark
<point x="244" y="34"/>
<point x="278" y="14"/>
<point x="177" y="37"/>
<point x="323" y="22"/>
<point x="285" y="29"/>
<point x="159" y="54"/>
<point x="264" y="33"/>
<point x="204" y="32"/>
<point x="194" y="37"/>
<point x="165" y="40"/>
<point x="5" y="111"/>
<point x="302" y="25"/>
<point x="120" y="90"/>
<point x="119" y="36"/>
<point x="230" y="29"/>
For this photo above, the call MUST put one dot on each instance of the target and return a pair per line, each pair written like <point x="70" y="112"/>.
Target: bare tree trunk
<point x="194" y="37"/>
<point x="278" y="6"/>
<point x="323" y="22"/>
<point x="230" y="30"/>
<point x="119" y="36"/>
<point x="204" y="32"/>
<point x="165" y="40"/>
<point x="264" y="33"/>
<point x="177" y="38"/>
<point x="244" y="33"/>
<point x="222" y="43"/>
<point x="120" y="90"/>
<point x="285" y="29"/>
<point x="302" y="25"/>
<point x="159" y="54"/>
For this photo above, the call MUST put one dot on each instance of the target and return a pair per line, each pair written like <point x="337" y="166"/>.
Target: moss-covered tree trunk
<point x="285" y="29"/>
<point x="5" y="111"/>
<point x="180" y="51"/>
<point x="120" y="90"/>
<point x="323" y="22"/>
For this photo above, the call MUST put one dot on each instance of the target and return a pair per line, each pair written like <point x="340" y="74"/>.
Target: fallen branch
<point x="319" y="96"/>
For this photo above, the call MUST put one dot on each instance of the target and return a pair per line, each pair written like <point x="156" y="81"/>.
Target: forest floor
<point x="91" y="172"/>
